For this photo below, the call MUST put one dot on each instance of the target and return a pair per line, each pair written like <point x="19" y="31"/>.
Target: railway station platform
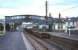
<point x="64" y="35"/>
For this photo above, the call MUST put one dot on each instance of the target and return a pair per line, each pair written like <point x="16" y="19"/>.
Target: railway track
<point x="40" y="44"/>
<point x="58" y="42"/>
<point x="63" y="43"/>
<point x="35" y="44"/>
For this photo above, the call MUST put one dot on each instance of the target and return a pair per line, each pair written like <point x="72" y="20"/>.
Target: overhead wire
<point x="70" y="8"/>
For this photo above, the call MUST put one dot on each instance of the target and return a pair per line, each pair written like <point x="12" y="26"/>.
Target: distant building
<point x="41" y="21"/>
<point x="56" y="24"/>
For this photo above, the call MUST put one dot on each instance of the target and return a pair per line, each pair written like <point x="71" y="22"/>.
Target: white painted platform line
<point x="27" y="43"/>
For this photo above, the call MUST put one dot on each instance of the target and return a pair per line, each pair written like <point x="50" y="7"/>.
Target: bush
<point x="1" y="27"/>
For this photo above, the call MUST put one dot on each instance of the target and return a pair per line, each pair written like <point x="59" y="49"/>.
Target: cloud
<point x="14" y="3"/>
<point x="37" y="7"/>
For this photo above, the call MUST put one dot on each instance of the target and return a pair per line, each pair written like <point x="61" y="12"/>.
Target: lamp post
<point x="50" y="22"/>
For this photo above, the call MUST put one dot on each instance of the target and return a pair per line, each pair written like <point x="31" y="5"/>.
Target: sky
<point x="67" y="8"/>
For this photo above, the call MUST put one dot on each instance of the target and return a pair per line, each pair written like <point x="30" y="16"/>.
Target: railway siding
<point x="66" y="43"/>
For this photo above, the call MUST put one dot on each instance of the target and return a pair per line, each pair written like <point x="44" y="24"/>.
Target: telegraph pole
<point x="59" y="15"/>
<point x="46" y="17"/>
<point x="46" y="9"/>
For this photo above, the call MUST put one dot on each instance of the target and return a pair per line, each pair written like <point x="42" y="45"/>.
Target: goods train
<point x="37" y="33"/>
<point x="31" y="28"/>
